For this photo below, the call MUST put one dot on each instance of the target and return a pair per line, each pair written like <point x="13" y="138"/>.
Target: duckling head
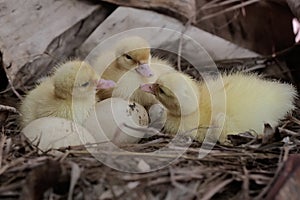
<point x="75" y="79"/>
<point x="134" y="53"/>
<point x="176" y="91"/>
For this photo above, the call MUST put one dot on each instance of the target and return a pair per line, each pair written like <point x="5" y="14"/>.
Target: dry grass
<point x="243" y="171"/>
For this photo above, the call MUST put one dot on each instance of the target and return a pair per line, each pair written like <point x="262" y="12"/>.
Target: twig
<point x="6" y="90"/>
<point x="11" y="84"/>
<point x="149" y="130"/>
<point x="214" y="190"/>
<point x="254" y="68"/>
<point x="176" y="184"/>
<point x="9" y="109"/>
<point x="179" y="52"/>
<point x="75" y="174"/>
<point x="288" y="132"/>
<point x="246" y="183"/>
<point x="229" y="21"/>
<point x="295" y="120"/>
<point x="12" y="164"/>
<point x="2" y="141"/>
<point x="51" y="56"/>
<point x="188" y="23"/>
<point x="241" y="5"/>
<point x="12" y="186"/>
<point x="214" y="5"/>
<point x="30" y="164"/>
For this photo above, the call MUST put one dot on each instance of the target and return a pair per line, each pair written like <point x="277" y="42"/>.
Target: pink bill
<point x="105" y="84"/>
<point x="147" y="88"/>
<point x="144" y="70"/>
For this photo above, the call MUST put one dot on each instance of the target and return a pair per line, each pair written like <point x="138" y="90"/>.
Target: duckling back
<point x="252" y="101"/>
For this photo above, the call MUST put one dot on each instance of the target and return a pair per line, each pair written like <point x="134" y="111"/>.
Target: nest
<point x="247" y="170"/>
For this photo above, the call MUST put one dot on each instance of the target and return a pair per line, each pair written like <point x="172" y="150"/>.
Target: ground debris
<point x="226" y="172"/>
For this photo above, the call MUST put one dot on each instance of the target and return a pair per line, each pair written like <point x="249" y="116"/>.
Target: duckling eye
<point x="161" y="90"/>
<point x="85" y="84"/>
<point x="128" y="57"/>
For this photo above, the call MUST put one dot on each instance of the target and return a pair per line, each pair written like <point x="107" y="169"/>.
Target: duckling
<point x="250" y="102"/>
<point x="69" y="93"/>
<point x="130" y="65"/>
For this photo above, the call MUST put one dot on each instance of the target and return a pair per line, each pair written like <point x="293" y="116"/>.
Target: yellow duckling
<point x="69" y="93"/>
<point x="130" y="65"/>
<point x="250" y="101"/>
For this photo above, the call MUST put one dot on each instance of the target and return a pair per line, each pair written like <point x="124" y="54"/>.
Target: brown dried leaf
<point x="3" y="117"/>
<point x="40" y="179"/>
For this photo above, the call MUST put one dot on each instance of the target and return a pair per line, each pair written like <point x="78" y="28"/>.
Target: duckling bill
<point x="130" y="64"/>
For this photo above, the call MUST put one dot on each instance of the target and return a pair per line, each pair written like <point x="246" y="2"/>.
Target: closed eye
<point x="85" y="84"/>
<point x="161" y="90"/>
<point x="165" y="92"/>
